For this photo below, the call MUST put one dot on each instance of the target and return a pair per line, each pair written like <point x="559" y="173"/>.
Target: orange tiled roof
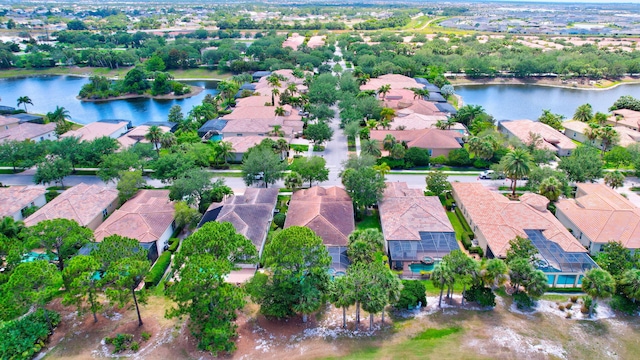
<point x="552" y="138"/>
<point x="144" y="217"/>
<point x="326" y="211"/>
<point x="16" y="198"/>
<point x="425" y="138"/>
<point x="603" y="215"/>
<point x="500" y="219"/>
<point x="81" y="203"/>
<point x="95" y="130"/>
<point x="395" y="80"/>
<point x="404" y="213"/>
<point x="242" y="144"/>
<point x="27" y="131"/>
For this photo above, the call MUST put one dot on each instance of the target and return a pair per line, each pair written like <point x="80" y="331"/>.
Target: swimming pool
<point x="417" y="268"/>
<point x="33" y="256"/>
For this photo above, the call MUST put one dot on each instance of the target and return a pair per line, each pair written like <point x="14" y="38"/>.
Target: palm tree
<point x="279" y="111"/>
<point x="292" y="88"/>
<point x="293" y="181"/>
<point x="420" y="93"/>
<point x="583" y="113"/>
<point x="382" y="169"/>
<point x="365" y="94"/>
<point x="630" y="284"/>
<point x="591" y="132"/>
<point x="384" y="90"/>
<point x="168" y="139"/>
<point x="608" y="137"/>
<point x="24" y="100"/>
<point x="440" y="277"/>
<point x="363" y="79"/>
<point x="371" y="147"/>
<point x="494" y="273"/>
<point x="600" y="118"/>
<point x="551" y="188"/>
<point x="482" y="147"/>
<point x="224" y="149"/>
<point x="11" y="228"/>
<point x="154" y="133"/>
<point x="387" y="113"/>
<point x="537" y="284"/>
<point x="388" y="142"/>
<point x="274" y="93"/>
<point x="372" y="124"/>
<point x="516" y="165"/>
<point x="614" y="179"/>
<point x="277" y="131"/>
<point x="598" y="284"/>
<point x="386" y="124"/>
<point x="282" y="146"/>
<point x="59" y="116"/>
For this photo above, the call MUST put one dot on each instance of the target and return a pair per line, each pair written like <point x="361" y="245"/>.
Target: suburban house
<point x="212" y="129"/>
<point x="110" y="128"/>
<point x="29" y="131"/>
<point x="625" y="117"/>
<point x="147" y="217"/>
<point x="8" y="122"/>
<point x="496" y="220"/>
<point x="261" y="121"/>
<point x="137" y="135"/>
<point x="14" y="200"/>
<point x="598" y="215"/>
<point x="404" y="102"/>
<point x="293" y="41"/>
<point x="263" y="87"/>
<point x="551" y="139"/>
<point x="438" y="142"/>
<point x="329" y="213"/>
<point x="415" y="121"/>
<point x="88" y="205"/>
<point x="242" y="144"/>
<point x="577" y="131"/>
<point x="396" y="81"/>
<point x="416" y="228"/>
<point x="251" y="215"/>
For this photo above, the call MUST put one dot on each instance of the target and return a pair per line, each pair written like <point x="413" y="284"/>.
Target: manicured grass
<point x="199" y="73"/>
<point x="555" y="297"/>
<point x="431" y="334"/>
<point x="369" y="222"/>
<point x="508" y="188"/>
<point x="457" y="226"/>
<point x="84" y="172"/>
<point x="228" y="174"/>
<point x="10" y="171"/>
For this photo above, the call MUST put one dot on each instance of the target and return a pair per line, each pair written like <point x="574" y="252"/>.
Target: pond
<point x="47" y="92"/>
<point x="513" y="102"/>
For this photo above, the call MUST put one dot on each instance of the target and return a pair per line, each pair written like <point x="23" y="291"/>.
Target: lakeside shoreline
<point x="195" y="90"/>
<point x="541" y="82"/>
<point x="67" y="71"/>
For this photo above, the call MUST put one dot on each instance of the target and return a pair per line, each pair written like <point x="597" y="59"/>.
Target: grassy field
<point x="369" y="222"/>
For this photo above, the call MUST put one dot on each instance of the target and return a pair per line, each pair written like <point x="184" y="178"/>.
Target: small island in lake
<point x="137" y="83"/>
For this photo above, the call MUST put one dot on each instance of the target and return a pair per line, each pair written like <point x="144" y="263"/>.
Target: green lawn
<point x="457" y="226"/>
<point x="369" y="222"/>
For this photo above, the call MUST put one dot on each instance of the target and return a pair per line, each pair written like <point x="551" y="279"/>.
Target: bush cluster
<point x="155" y="274"/>
<point x="25" y="337"/>
<point x="413" y="291"/>
<point x="482" y="295"/>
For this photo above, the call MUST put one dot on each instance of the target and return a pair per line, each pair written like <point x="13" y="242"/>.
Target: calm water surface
<point x="47" y="92"/>
<point x="502" y="101"/>
<point x="512" y="102"/>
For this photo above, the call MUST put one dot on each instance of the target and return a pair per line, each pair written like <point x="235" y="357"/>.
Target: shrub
<point x="623" y="304"/>
<point x="569" y="306"/>
<point x="25" y="337"/>
<point x="481" y="164"/>
<point x="417" y="156"/>
<point x="523" y="301"/>
<point x="279" y="219"/>
<point x="561" y="307"/>
<point x="439" y="160"/>
<point x="121" y="342"/>
<point x="173" y="247"/>
<point x="155" y="274"/>
<point x="413" y="291"/>
<point x="568" y="316"/>
<point x="466" y="242"/>
<point x="50" y="195"/>
<point x="135" y="346"/>
<point x="574" y="299"/>
<point x="476" y="250"/>
<point x="481" y="295"/>
<point x="145" y="335"/>
<point x="459" y="157"/>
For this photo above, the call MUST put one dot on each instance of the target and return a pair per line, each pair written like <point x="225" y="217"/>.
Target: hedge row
<point x="173" y="244"/>
<point x="25" y="337"/>
<point x="157" y="271"/>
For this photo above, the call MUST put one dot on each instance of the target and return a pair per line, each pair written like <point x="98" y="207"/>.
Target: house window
<point x="574" y="134"/>
<point x="105" y="213"/>
<point x="238" y="134"/>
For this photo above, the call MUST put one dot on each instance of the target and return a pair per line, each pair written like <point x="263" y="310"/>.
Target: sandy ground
<point x="500" y="333"/>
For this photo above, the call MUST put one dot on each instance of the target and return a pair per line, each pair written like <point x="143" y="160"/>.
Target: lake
<point x="513" y="102"/>
<point x="47" y="92"/>
<point x="501" y="101"/>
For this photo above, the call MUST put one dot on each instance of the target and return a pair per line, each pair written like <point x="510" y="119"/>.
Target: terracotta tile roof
<point x="139" y="132"/>
<point x="263" y="86"/>
<point x="629" y="117"/>
<point x="326" y="211"/>
<point x="395" y="80"/>
<point x="294" y="41"/>
<point x="144" y="217"/>
<point x="415" y="121"/>
<point x="96" y="130"/>
<point x="603" y="215"/>
<point x="16" y="198"/>
<point x="426" y="138"/>
<point x="243" y="143"/>
<point x="315" y="41"/>
<point x="7" y="120"/>
<point x="627" y="136"/>
<point x="261" y="112"/>
<point x="255" y="101"/>
<point x="27" y="131"/>
<point x="500" y="219"/>
<point x="404" y="213"/>
<point x="81" y="203"/>
<point x="552" y="138"/>
<point x="250" y="214"/>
